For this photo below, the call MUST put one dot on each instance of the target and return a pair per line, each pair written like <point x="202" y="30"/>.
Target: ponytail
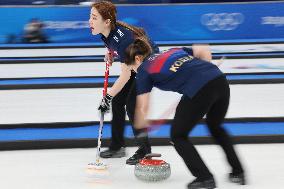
<point x="140" y="47"/>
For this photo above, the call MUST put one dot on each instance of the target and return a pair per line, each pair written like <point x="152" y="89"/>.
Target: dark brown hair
<point x="108" y="11"/>
<point x="140" y="46"/>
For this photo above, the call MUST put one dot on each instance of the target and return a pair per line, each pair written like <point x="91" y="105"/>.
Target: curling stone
<point x="152" y="170"/>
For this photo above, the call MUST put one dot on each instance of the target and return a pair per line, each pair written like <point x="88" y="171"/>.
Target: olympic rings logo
<point x="222" y="21"/>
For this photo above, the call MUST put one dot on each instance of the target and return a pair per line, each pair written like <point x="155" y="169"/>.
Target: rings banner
<point x="164" y="23"/>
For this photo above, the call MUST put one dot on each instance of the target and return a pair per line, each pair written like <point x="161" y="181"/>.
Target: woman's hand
<point x="109" y="58"/>
<point x="202" y="51"/>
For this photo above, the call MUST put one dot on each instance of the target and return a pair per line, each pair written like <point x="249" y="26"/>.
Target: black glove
<point x="105" y="104"/>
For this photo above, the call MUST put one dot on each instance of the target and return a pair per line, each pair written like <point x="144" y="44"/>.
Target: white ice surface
<point x="66" y="169"/>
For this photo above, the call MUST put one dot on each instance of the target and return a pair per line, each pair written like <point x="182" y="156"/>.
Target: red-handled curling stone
<point x="149" y="169"/>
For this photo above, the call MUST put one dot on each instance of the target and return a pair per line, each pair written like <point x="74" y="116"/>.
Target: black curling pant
<point x="126" y="97"/>
<point x="212" y="100"/>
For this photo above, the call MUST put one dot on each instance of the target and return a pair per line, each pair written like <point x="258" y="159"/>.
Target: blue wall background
<point x="164" y="23"/>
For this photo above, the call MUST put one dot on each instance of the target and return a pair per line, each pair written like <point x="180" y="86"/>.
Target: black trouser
<point x="212" y="100"/>
<point x="126" y="97"/>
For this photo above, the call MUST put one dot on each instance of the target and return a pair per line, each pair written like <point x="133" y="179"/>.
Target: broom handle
<point x="102" y="114"/>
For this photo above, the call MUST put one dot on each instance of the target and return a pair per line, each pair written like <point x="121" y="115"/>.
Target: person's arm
<point x="141" y="111"/>
<point x="116" y="88"/>
<point x="202" y="51"/>
<point x="121" y="81"/>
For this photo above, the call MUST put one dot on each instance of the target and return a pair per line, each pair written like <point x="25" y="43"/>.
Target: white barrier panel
<point x="72" y="69"/>
<point x="79" y="105"/>
<point x="90" y="51"/>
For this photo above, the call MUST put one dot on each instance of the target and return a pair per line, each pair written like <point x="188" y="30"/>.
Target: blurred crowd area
<point x="86" y="2"/>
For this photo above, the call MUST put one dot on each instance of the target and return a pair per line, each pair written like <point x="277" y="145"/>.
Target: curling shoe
<point x="109" y="153"/>
<point x="139" y="154"/>
<point x="202" y="184"/>
<point x="237" y="178"/>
